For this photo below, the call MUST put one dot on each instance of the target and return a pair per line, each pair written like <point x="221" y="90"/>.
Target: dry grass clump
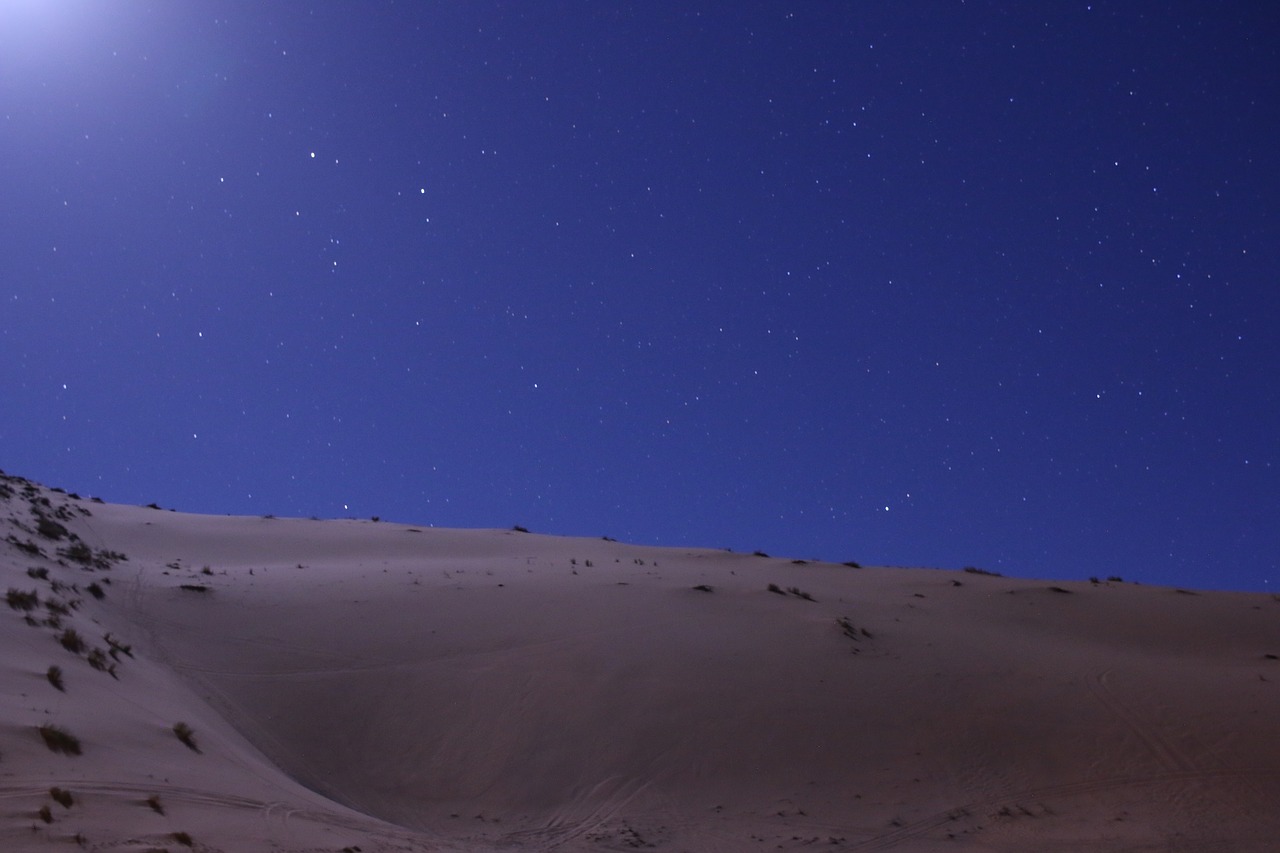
<point x="183" y="838"/>
<point x="974" y="570"/>
<point x="27" y="547"/>
<point x="117" y="647"/>
<point x="62" y="797"/>
<point x="78" y="552"/>
<point x="50" y="529"/>
<point x="59" y="739"/>
<point x="185" y="734"/>
<point x="54" y="674"/>
<point x="154" y="802"/>
<point x="72" y="641"/>
<point x="19" y="600"/>
<point x="98" y="660"/>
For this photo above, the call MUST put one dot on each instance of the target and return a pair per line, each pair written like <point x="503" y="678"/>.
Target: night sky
<point x="910" y="283"/>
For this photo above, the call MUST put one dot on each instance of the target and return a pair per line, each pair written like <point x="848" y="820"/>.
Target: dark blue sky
<point x="944" y="283"/>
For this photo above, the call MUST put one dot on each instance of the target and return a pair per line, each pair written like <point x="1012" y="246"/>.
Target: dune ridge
<point x="355" y="685"/>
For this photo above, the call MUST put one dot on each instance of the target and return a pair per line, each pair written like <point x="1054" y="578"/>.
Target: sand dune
<point x="353" y="685"/>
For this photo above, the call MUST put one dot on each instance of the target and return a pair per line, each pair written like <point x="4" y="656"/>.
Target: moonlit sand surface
<point x="364" y="686"/>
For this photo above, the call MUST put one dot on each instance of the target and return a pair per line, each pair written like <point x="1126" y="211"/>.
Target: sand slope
<point x="361" y="685"/>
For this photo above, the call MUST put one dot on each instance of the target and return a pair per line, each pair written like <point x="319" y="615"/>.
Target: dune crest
<point x="175" y="681"/>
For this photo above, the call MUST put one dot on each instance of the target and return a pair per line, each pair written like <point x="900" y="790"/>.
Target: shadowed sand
<point x="354" y="685"/>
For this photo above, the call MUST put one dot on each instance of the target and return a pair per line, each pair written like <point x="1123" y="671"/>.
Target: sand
<point x="358" y="685"/>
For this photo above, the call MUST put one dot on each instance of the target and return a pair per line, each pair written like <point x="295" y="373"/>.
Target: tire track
<point x="1168" y="755"/>
<point x="915" y="829"/>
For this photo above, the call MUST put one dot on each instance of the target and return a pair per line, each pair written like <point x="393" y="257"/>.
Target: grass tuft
<point x="50" y="529"/>
<point x="185" y="734"/>
<point x="59" y="739"/>
<point x="19" y="600"/>
<point x="71" y="641"/>
<point x="974" y="570"/>
<point x="54" y="674"/>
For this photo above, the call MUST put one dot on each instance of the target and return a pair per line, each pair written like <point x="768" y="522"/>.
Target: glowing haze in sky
<point x="945" y="283"/>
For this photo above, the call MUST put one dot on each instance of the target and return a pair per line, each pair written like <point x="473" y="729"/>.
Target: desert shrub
<point x="117" y="647"/>
<point x="98" y="660"/>
<point x="186" y="735"/>
<point x="50" y="529"/>
<point x="974" y="570"/>
<point x="104" y="559"/>
<point x="71" y="641"/>
<point x="518" y="529"/>
<point x="1059" y="589"/>
<point x="54" y="674"/>
<point x="59" y="739"/>
<point x="183" y="838"/>
<point x="96" y="590"/>
<point x="62" y="797"/>
<point x="702" y="587"/>
<point x="40" y="573"/>
<point x="759" y="554"/>
<point x="853" y="564"/>
<point x="796" y="591"/>
<point x="1115" y="579"/>
<point x="19" y="600"/>
<point x="194" y="587"/>
<point x="773" y="587"/>
<point x="27" y="547"/>
<point x="46" y="813"/>
<point x="154" y="802"/>
<point x="78" y="552"/>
